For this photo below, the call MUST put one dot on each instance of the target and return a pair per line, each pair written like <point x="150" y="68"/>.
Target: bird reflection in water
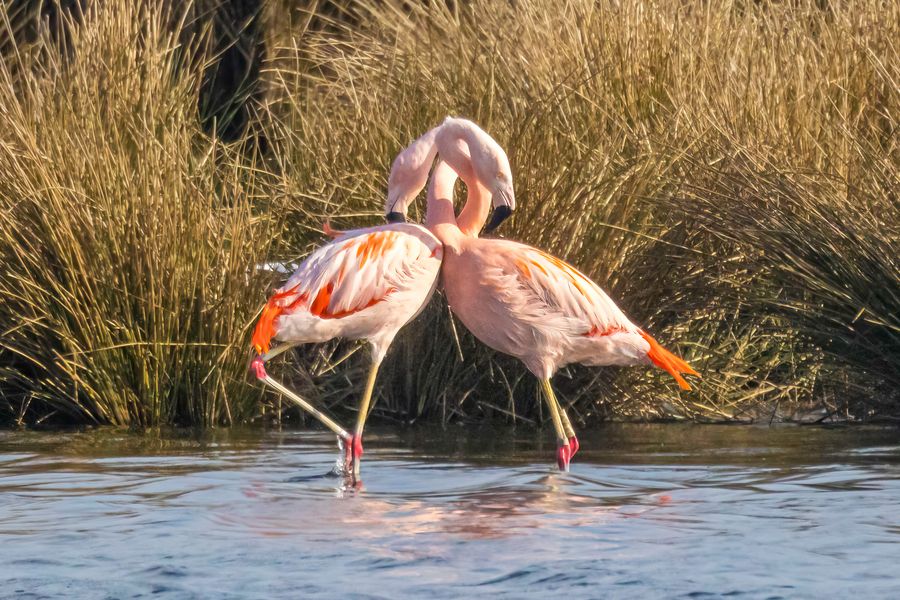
<point x="483" y="512"/>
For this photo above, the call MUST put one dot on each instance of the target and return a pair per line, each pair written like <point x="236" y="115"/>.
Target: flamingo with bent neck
<point x="365" y="284"/>
<point x="515" y="298"/>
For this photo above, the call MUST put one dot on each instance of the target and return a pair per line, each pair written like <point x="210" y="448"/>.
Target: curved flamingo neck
<point x="475" y="211"/>
<point x="457" y="142"/>
<point x="440" y="218"/>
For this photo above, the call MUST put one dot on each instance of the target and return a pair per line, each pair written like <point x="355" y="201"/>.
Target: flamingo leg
<point x="260" y="371"/>
<point x="276" y="351"/>
<point x="562" y="441"/>
<point x="355" y="449"/>
<point x="570" y="432"/>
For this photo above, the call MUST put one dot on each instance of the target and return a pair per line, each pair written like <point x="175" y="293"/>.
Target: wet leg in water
<point x="258" y="368"/>
<point x="563" y="452"/>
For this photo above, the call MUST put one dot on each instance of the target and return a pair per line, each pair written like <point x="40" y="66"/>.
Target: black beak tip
<point x="500" y="214"/>
<point x="395" y="217"/>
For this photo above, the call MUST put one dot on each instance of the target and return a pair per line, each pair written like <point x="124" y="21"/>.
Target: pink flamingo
<point x="515" y="298"/>
<point x="365" y="284"/>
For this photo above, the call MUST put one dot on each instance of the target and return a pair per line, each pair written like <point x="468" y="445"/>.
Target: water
<point x="662" y="511"/>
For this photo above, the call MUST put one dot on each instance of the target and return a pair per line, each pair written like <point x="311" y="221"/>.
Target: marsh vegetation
<point x="728" y="173"/>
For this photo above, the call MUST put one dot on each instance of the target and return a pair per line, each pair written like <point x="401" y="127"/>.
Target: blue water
<point x="662" y="511"/>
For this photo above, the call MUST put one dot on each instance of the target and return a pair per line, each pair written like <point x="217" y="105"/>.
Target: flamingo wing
<point x="564" y="290"/>
<point x="567" y="291"/>
<point x="351" y="273"/>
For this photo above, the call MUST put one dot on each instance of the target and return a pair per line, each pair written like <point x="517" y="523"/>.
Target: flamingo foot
<point x="354" y="451"/>
<point x="573" y="446"/>
<point x="258" y="368"/>
<point x="562" y="458"/>
<point x="347" y="445"/>
<point x="356" y="442"/>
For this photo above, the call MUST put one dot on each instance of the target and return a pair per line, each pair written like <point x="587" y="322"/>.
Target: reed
<point x="728" y="173"/>
<point x="127" y="236"/>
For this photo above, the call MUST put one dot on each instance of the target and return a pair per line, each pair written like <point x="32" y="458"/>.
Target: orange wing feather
<point x="337" y="280"/>
<point x="667" y="361"/>
<point x="573" y="294"/>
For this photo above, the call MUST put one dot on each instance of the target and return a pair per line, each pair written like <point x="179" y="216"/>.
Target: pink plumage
<point x="364" y="284"/>
<point x="515" y="298"/>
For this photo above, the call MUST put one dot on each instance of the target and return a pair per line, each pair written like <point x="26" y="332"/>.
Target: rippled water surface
<point x="657" y="511"/>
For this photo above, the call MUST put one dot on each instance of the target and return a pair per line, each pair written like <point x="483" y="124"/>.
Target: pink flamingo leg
<point x="356" y="447"/>
<point x="259" y="369"/>
<point x="574" y="445"/>
<point x="562" y="458"/>
<point x="563" y="450"/>
<point x="570" y="432"/>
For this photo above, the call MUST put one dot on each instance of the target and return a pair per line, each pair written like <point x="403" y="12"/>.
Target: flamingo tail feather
<point x="265" y="327"/>
<point x="668" y="362"/>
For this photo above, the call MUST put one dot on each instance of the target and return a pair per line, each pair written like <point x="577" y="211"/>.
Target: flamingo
<point x="515" y="298"/>
<point x="367" y="283"/>
<point x="364" y="284"/>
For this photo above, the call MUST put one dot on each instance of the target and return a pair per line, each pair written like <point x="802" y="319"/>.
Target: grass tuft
<point x="127" y="236"/>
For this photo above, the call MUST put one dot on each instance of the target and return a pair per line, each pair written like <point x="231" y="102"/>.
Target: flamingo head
<point x="396" y="205"/>
<point x="491" y="166"/>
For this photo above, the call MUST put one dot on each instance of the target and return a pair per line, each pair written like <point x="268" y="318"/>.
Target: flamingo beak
<point x="504" y="205"/>
<point x="395" y="217"/>
<point x="499" y="214"/>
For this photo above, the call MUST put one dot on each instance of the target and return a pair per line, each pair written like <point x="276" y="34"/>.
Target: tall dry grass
<point x="728" y="172"/>
<point x="127" y="236"/>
